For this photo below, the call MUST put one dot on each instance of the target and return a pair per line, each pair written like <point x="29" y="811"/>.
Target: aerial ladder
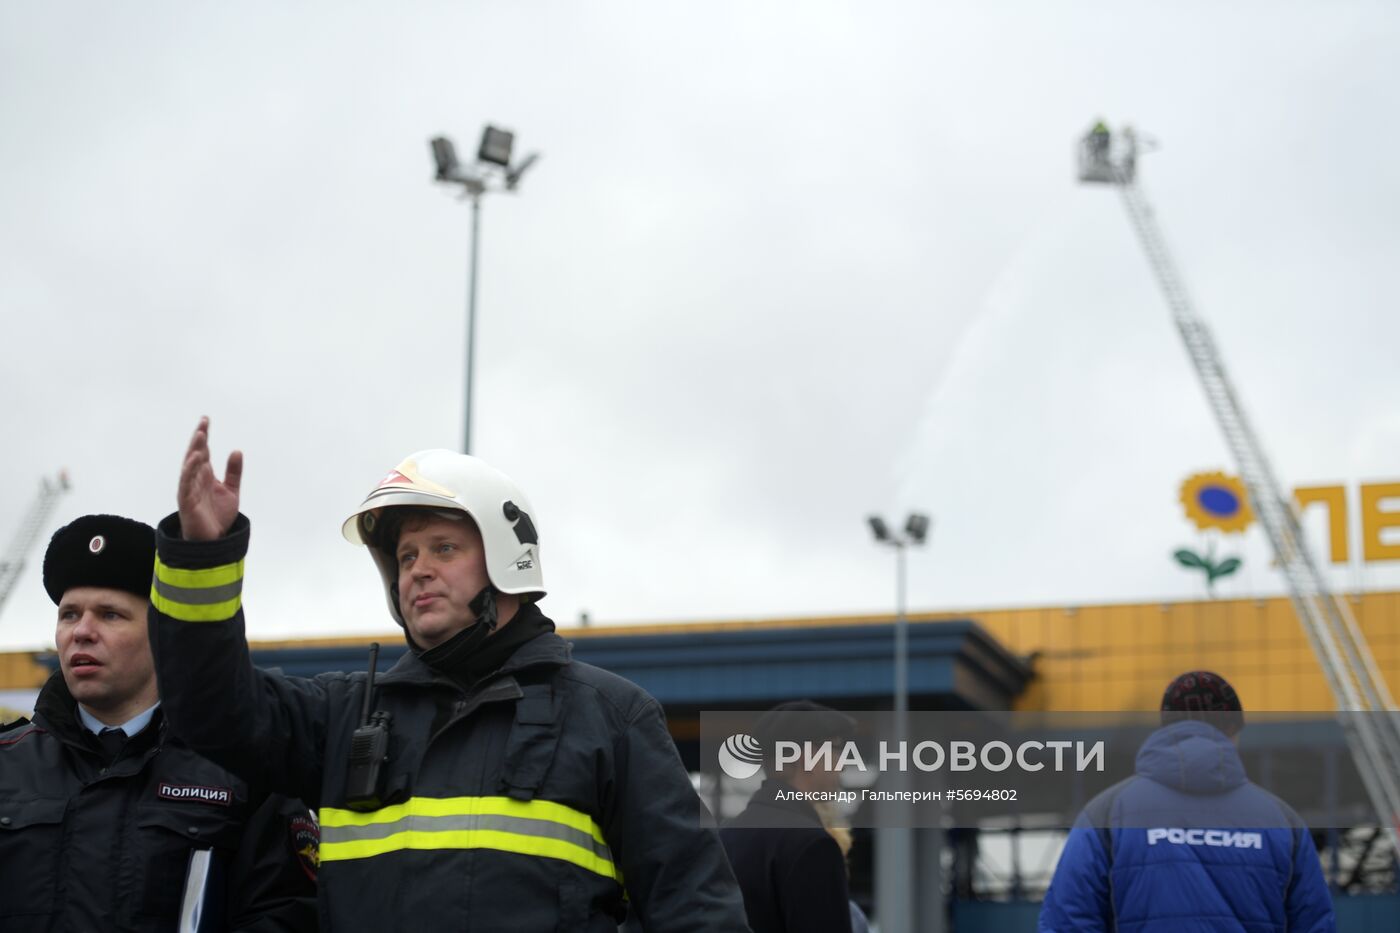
<point x="12" y="564"/>
<point x="1366" y="708"/>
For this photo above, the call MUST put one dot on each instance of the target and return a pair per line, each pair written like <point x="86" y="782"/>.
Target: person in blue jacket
<point x="1188" y="842"/>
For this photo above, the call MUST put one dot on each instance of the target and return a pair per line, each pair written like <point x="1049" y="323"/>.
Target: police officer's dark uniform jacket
<point x="92" y="844"/>
<point x="101" y="838"/>
<point x="529" y="801"/>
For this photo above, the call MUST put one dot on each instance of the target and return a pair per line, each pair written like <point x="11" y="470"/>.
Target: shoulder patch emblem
<point x="306" y="843"/>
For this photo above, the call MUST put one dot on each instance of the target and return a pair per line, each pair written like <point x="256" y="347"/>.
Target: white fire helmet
<point x="446" y="480"/>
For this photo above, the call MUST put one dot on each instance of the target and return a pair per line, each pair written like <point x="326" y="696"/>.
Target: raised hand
<point x="207" y="506"/>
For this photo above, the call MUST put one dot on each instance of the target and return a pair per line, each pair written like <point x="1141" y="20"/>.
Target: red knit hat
<point x="1203" y="695"/>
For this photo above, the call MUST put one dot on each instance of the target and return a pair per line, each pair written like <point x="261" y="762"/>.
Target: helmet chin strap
<point x="483" y="606"/>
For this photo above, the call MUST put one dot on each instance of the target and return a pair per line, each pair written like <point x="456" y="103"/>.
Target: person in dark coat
<point x="108" y="822"/>
<point x="790" y="868"/>
<point x="1190" y="842"/>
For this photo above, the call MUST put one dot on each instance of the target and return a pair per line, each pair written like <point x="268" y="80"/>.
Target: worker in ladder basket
<point x="1099" y="139"/>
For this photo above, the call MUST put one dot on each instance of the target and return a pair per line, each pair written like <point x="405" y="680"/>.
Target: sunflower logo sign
<point x="1217" y="503"/>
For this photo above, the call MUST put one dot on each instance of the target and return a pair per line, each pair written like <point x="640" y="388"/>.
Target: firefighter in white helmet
<point x="486" y="781"/>
<point x="444" y="486"/>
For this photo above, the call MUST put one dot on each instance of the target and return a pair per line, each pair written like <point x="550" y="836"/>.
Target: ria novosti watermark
<point x="954" y="769"/>
<point x="741" y="756"/>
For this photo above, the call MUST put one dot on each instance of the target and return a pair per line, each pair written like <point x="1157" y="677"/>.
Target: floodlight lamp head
<point x="514" y="174"/>
<point x="495" y="146"/>
<point x="445" y="155"/>
<point x="916" y="527"/>
<point x="879" y="528"/>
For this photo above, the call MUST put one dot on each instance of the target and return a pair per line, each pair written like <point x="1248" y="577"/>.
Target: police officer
<point x="106" y="820"/>
<point x="499" y="784"/>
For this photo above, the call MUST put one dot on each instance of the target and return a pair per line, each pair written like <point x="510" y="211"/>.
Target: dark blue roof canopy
<point x="952" y="665"/>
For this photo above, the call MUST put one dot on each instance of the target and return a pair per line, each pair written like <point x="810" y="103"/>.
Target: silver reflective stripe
<point x="206" y="596"/>
<point x="441" y="824"/>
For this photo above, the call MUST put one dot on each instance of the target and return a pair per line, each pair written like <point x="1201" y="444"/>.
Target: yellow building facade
<point x="1084" y="658"/>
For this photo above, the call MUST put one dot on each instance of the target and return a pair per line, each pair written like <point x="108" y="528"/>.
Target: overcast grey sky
<point x="781" y="265"/>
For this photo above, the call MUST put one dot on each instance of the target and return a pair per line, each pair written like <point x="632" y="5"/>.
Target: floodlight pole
<point x="901" y="640"/>
<point x="492" y="171"/>
<point x="915" y="532"/>
<point x="471" y="320"/>
<point x="896" y="907"/>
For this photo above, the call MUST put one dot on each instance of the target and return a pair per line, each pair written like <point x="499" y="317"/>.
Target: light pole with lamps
<point x="895" y="903"/>
<point x="491" y="172"/>
<point x="916" y="528"/>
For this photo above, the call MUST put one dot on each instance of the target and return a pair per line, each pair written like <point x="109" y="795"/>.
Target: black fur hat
<point x="100" y="550"/>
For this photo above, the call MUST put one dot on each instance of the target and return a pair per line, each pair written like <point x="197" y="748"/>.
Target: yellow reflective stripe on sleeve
<point x="539" y="828"/>
<point x="199" y="579"/>
<point x="214" y="612"/>
<point x="211" y="594"/>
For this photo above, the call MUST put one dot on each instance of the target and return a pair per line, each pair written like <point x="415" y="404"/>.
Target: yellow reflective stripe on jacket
<point x="467" y="806"/>
<point x="207" y="595"/>
<point x="540" y="828"/>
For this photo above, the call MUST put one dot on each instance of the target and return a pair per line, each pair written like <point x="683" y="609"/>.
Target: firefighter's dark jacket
<point x="544" y="793"/>
<point x="91" y="845"/>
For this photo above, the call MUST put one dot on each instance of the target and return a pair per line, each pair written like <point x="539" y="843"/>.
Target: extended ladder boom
<point x="1357" y="685"/>
<point x="12" y="564"/>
